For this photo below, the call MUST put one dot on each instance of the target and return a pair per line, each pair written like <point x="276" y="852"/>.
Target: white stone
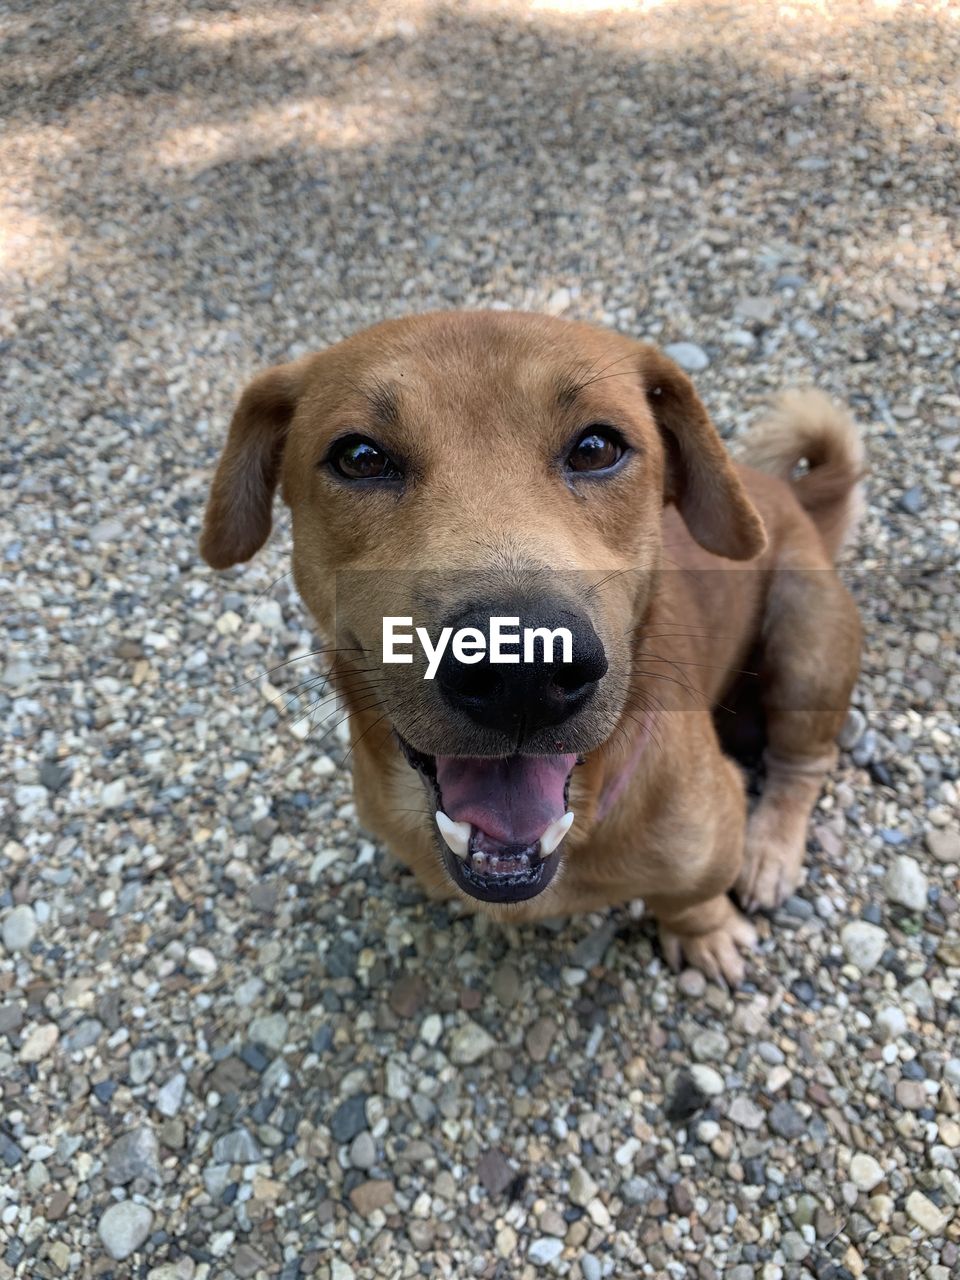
<point x="944" y="844"/>
<point x="170" y="1097"/>
<point x="431" y="1029"/>
<point x="19" y="928"/>
<point x="863" y="944"/>
<point x="707" y="1080"/>
<point x="745" y="1113"/>
<point x="30" y="795"/>
<point x="558" y="302"/>
<point x="39" y="1043"/>
<point x="469" y="1044"/>
<point x="202" y="961"/>
<point x="890" y="1023"/>
<point x="270" y="1030"/>
<point x="269" y="614"/>
<point x="711" y="1045"/>
<point x="688" y="356"/>
<point x="113" y="794"/>
<point x="582" y="1187"/>
<point x="124" y="1227"/>
<point x="926" y="1214"/>
<point x="544" y="1251"/>
<point x="865" y="1172"/>
<point x="906" y="884"/>
<point x="221" y="1242"/>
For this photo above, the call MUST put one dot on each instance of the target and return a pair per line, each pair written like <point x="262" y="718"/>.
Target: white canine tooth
<point x="555" y="833"/>
<point x="456" y="835"/>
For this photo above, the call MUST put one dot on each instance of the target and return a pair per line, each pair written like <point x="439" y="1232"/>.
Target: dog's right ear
<point x="239" y="508"/>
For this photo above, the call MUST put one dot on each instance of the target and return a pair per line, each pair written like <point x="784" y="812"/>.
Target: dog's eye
<point x="597" y="449"/>
<point x="356" y="458"/>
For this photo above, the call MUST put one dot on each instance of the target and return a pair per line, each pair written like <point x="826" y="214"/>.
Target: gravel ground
<point x="234" y="1041"/>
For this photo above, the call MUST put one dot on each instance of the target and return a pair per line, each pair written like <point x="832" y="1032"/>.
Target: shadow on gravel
<point x="534" y="121"/>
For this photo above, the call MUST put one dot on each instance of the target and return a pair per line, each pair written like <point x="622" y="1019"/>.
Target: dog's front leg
<point x="698" y="922"/>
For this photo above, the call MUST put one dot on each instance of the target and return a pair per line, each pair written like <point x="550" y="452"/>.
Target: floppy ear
<point x="239" y="508"/>
<point x="700" y="476"/>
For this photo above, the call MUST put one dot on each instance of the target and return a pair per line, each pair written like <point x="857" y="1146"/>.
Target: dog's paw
<point x="716" y="953"/>
<point x="771" y="872"/>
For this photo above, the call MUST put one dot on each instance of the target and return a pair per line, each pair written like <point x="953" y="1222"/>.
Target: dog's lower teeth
<point x="467" y="844"/>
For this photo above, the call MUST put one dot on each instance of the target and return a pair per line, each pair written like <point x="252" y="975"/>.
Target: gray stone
<point x="202" y="961"/>
<point x="505" y="985"/>
<point x="270" y="1031"/>
<point x="906" y="884"/>
<point x="236" y="1147"/>
<point x="786" y="1121"/>
<point x="794" y="1247"/>
<point x="745" y="1113"/>
<point x="688" y="356"/>
<point x="925" y="1214"/>
<point x="757" y="313"/>
<point x="890" y="1023"/>
<point x="544" y="1251"/>
<point x="170" y="1096"/>
<point x="134" y="1155"/>
<point x="495" y="1171"/>
<point x="350" y="1118"/>
<point x="83" y="1036"/>
<point x="469" y="1043"/>
<point x="707" y="1080"/>
<point x="865" y="750"/>
<point x="692" y="983"/>
<point x="854" y="727"/>
<point x="363" y="1151"/>
<point x="863" y="944"/>
<point x="216" y="1179"/>
<point x="590" y="950"/>
<point x="944" y="844"/>
<point x="919" y="994"/>
<point x="912" y="501"/>
<point x="582" y="1187"/>
<point x="124" y="1227"/>
<point x="865" y="1172"/>
<point x="710" y="1045"/>
<point x="143" y="1063"/>
<point x="19" y="928"/>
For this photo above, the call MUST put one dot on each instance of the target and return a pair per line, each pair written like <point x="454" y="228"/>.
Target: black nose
<point x="524" y="695"/>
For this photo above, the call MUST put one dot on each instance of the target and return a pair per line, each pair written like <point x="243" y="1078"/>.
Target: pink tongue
<point x="514" y="800"/>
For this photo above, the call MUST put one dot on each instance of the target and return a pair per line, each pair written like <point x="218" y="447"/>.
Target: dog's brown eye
<point x="598" y="449"/>
<point x="357" y="458"/>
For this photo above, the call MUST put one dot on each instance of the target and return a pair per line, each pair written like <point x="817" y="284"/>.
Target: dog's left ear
<point x="239" y="508"/>
<point x="700" y="476"/>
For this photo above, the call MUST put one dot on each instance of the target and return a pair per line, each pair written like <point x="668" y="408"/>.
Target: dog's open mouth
<point x="501" y="821"/>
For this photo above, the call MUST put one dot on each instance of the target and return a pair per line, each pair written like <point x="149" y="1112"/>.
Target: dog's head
<point x="454" y="468"/>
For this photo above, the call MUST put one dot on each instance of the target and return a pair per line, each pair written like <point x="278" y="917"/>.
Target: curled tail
<point x="807" y="427"/>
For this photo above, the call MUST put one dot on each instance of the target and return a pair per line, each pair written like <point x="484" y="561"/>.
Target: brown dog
<point x="457" y="466"/>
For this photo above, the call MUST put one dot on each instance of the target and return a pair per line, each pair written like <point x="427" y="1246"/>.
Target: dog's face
<point x="453" y="468"/>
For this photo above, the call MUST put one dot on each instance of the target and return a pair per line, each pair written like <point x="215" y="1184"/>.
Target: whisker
<point x="682" y="662"/>
<point x="258" y="598"/>
<point x="313" y="653"/>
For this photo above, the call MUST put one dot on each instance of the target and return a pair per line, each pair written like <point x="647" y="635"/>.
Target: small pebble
<point x="124" y="1227"/>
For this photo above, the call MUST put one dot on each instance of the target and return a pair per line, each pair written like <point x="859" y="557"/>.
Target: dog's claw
<point x="717" y="954"/>
<point x="672" y="950"/>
